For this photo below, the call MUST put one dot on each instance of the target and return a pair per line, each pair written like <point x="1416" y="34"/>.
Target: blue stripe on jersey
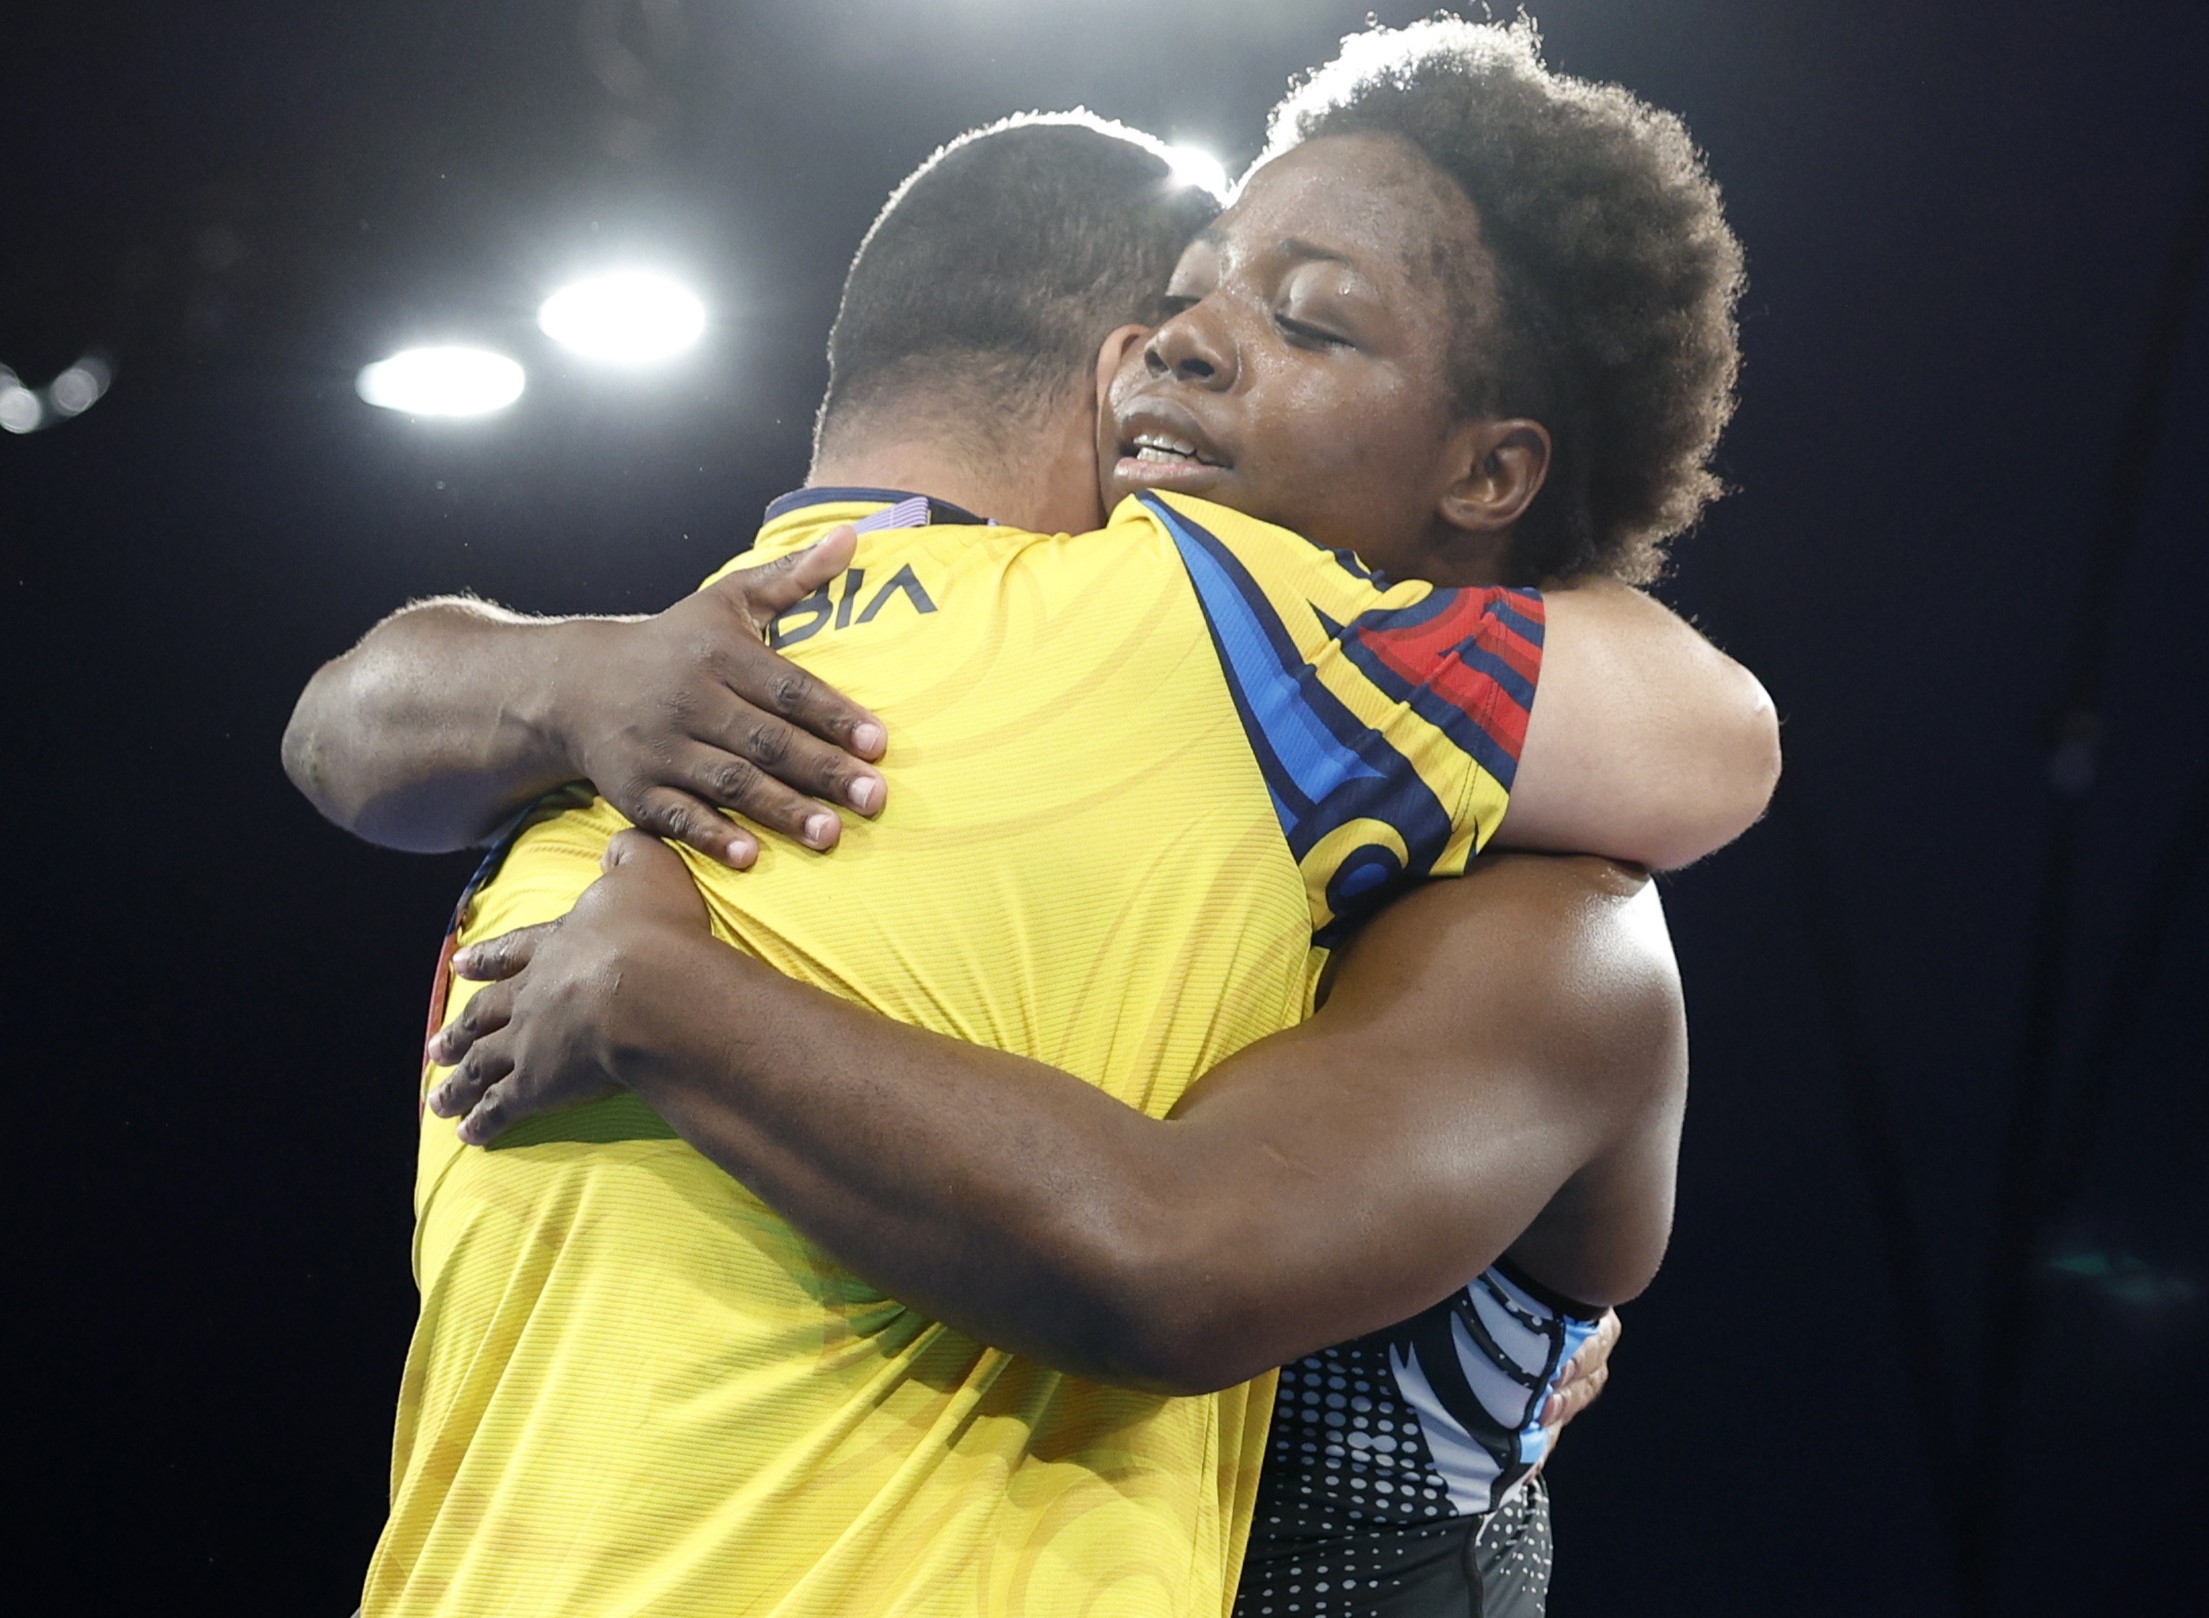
<point x="1515" y="685"/>
<point x="1323" y="765"/>
<point x="1520" y="624"/>
<point x="1303" y="737"/>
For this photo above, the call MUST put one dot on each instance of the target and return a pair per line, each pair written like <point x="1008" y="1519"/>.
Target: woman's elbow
<point x="1732" y="784"/>
<point x="1754" y="762"/>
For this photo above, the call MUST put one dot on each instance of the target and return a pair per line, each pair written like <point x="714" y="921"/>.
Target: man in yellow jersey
<point x="634" y="1388"/>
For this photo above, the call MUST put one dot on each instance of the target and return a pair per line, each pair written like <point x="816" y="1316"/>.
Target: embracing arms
<point x="1452" y="1099"/>
<point x="451" y="714"/>
<point x="1645" y="742"/>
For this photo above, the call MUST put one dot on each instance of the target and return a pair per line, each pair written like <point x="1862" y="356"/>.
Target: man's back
<point x="1120" y="811"/>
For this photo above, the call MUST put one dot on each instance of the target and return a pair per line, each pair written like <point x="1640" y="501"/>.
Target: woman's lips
<point x="1149" y="469"/>
<point x="1157" y="446"/>
<point x="1160" y="453"/>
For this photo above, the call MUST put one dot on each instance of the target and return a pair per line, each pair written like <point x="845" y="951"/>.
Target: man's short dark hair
<point x="1617" y="271"/>
<point x="994" y="272"/>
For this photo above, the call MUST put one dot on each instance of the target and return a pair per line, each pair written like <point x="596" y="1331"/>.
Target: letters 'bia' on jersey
<point x="1138" y="779"/>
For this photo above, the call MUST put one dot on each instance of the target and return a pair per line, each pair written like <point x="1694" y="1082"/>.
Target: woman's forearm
<point x="1006" y="1198"/>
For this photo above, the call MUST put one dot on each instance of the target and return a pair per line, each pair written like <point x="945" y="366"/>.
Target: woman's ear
<point x="1503" y="466"/>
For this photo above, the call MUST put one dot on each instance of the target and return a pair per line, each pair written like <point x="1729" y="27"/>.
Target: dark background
<point x="1930" y="1337"/>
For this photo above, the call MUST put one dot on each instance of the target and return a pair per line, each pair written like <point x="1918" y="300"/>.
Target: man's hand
<point x="1582" y="1381"/>
<point x="451" y="714"/>
<point x="565" y="1001"/>
<point x="675" y="717"/>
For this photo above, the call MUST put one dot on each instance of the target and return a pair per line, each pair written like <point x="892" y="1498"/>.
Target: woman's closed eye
<point x="1303" y="331"/>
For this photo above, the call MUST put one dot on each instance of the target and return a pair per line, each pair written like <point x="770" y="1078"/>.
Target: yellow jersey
<point x="1138" y="779"/>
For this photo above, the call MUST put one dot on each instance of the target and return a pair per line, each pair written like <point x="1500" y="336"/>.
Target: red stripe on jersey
<point x="1482" y="699"/>
<point x="1410" y="650"/>
<point x="1424" y="654"/>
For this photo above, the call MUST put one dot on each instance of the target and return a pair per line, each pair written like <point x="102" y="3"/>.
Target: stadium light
<point x="442" y="382"/>
<point x="21" y="410"/>
<point x="76" y="390"/>
<point x="1192" y="165"/>
<point x="629" y="317"/>
<point x="79" y="388"/>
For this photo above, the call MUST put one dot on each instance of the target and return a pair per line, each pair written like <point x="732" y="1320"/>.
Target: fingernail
<point x="868" y="737"/>
<point x="430" y="1045"/>
<point x="740" y="855"/>
<point x="819" y="828"/>
<point x="865" y="792"/>
<point x="464" y="960"/>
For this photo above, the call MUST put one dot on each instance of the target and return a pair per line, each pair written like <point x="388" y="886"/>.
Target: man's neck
<point x="914" y="469"/>
<point x="1047" y="486"/>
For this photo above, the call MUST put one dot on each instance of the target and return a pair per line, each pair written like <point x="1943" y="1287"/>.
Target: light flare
<point x="447" y="381"/>
<point x="627" y="317"/>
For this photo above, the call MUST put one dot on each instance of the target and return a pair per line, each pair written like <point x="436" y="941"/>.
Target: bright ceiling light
<point x="79" y="388"/>
<point x="20" y="409"/>
<point x="631" y="317"/>
<point x="442" y="382"/>
<point x="1194" y="166"/>
<point x="76" y="390"/>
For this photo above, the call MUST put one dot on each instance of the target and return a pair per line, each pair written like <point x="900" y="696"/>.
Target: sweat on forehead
<point x="1386" y="201"/>
<point x="1379" y="175"/>
<point x="1447" y="241"/>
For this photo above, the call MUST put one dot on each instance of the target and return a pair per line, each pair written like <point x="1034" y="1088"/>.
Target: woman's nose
<point x="1191" y="349"/>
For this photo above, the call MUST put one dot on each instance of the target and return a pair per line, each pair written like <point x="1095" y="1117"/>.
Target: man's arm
<point x="1323" y="1183"/>
<point x="1646" y="743"/>
<point x="452" y="714"/>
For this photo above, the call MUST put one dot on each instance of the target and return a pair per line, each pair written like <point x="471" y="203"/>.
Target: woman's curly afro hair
<point x="1617" y="271"/>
